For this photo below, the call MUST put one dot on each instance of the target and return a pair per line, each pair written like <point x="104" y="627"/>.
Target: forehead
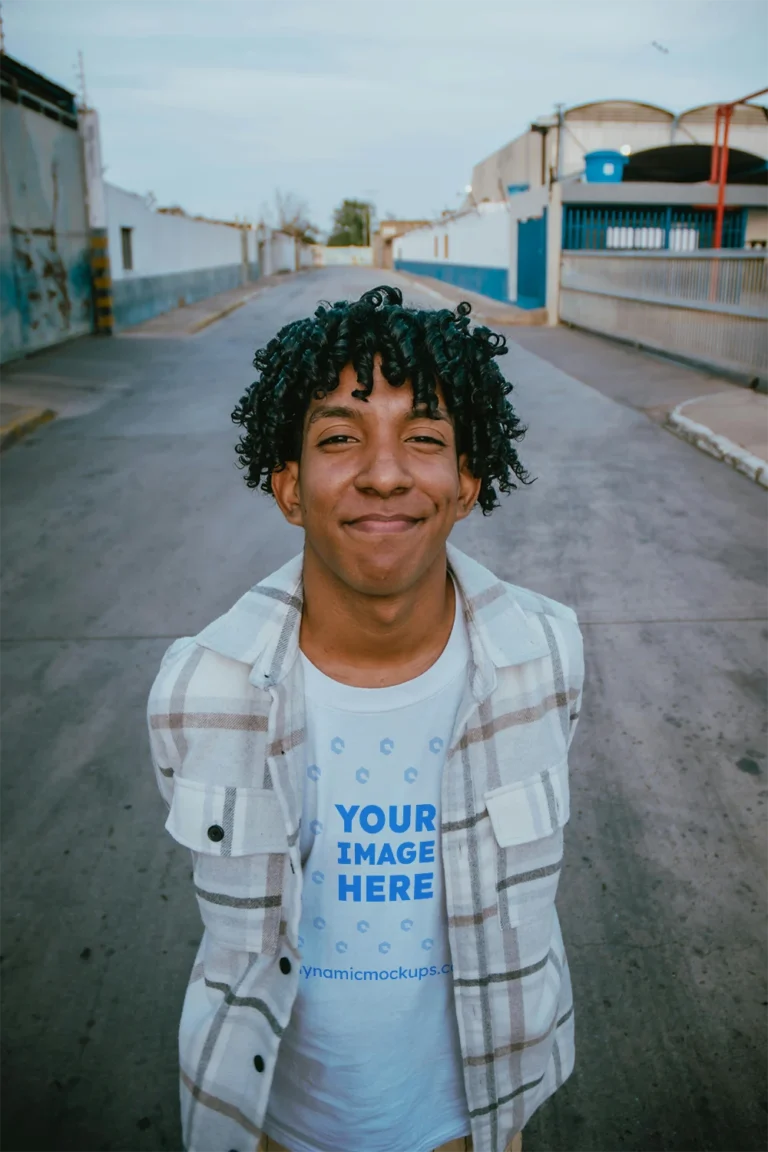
<point x="384" y="395"/>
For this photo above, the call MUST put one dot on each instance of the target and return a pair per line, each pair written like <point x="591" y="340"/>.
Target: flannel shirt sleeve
<point x="575" y="677"/>
<point x="162" y="748"/>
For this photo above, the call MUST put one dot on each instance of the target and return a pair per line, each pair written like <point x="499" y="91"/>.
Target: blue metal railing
<point x="678" y="229"/>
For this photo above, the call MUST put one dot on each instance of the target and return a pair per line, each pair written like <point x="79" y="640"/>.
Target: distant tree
<point x="352" y="224"/>
<point x="292" y="216"/>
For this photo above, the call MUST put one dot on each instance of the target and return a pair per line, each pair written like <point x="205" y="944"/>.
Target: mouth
<point x="383" y="525"/>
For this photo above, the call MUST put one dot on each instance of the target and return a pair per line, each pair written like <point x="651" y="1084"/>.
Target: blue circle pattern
<point x="337" y="745"/>
<point x="362" y="775"/>
<point x="313" y="772"/>
<point x="435" y="744"/>
<point x="384" y="947"/>
<point x="427" y="944"/>
<point x="341" y="946"/>
<point x="363" y="925"/>
<point x="406" y="925"/>
<point x="386" y="746"/>
<point x="318" y="877"/>
<point x="319" y="922"/>
<point x="316" y="826"/>
<point x="410" y="775"/>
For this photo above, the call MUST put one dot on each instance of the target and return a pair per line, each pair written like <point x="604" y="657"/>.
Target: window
<point x="445" y="246"/>
<point x="127" y="246"/>
<point x="437" y="250"/>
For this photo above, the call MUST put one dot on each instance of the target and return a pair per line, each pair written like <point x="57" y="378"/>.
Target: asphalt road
<point x="129" y="525"/>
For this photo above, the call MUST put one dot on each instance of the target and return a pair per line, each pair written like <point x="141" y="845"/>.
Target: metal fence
<point x="675" y="228"/>
<point x="709" y="307"/>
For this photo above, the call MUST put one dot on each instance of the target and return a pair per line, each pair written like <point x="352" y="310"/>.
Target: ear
<point x="469" y="489"/>
<point x="285" y="485"/>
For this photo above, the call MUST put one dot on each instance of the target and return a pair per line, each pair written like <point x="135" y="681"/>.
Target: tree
<point x="352" y="223"/>
<point x="292" y="214"/>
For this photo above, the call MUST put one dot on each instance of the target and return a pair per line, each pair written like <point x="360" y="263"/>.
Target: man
<point x="368" y="758"/>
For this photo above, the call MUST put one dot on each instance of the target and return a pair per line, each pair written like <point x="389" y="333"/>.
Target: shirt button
<point x="285" y="965"/>
<point x="216" y="833"/>
<point x="258" y="1063"/>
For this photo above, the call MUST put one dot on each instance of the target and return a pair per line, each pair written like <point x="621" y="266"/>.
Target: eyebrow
<point x="329" y="411"/>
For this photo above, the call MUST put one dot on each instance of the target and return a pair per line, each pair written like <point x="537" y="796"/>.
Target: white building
<point x="555" y="147"/>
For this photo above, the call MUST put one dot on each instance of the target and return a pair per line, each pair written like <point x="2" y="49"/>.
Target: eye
<point x="339" y="438"/>
<point x="428" y="440"/>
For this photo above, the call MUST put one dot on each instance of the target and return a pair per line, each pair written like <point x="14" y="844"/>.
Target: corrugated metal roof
<point x="619" y="112"/>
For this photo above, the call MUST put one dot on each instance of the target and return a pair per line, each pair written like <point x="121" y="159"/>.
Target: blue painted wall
<point x="491" y="282"/>
<point x="45" y="271"/>
<point x="138" y="299"/>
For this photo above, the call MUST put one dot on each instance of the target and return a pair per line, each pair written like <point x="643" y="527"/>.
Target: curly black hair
<point x="419" y="347"/>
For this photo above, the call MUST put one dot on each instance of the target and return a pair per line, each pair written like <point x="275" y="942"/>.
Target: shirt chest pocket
<point x="240" y="854"/>
<point x="527" y="818"/>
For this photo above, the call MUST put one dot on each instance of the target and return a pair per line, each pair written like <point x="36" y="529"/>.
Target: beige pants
<point x="464" y="1144"/>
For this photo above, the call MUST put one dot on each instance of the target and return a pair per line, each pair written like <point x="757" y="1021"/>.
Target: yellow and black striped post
<point x="101" y="275"/>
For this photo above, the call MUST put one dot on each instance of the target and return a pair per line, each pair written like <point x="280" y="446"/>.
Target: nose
<point x="384" y="470"/>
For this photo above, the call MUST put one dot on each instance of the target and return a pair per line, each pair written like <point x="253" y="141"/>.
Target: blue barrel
<point x="605" y="167"/>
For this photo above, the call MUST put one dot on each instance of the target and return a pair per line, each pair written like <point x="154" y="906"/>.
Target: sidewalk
<point x="718" y="416"/>
<point x="484" y="308"/>
<point x="192" y="318"/>
<point x="34" y="390"/>
<point x="733" y="426"/>
<point x="16" y="420"/>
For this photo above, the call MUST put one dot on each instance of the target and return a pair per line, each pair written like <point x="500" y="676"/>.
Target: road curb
<point x="21" y="425"/>
<point x="204" y="323"/>
<point x="719" y="446"/>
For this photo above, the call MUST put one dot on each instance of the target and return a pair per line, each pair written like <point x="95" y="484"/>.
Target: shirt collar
<point x="262" y="627"/>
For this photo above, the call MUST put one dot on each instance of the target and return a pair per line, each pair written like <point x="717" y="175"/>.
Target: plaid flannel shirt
<point x="227" y="734"/>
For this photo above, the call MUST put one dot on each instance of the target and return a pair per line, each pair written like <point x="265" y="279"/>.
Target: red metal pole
<point x="715" y="167"/>
<point x="717" y="241"/>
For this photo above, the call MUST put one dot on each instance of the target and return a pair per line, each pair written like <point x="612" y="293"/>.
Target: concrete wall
<point x="324" y="257"/>
<point x="518" y="162"/>
<point x="45" y="276"/>
<point x="279" y="253"/>
<point x="470" y="251"/>
<point x="651" y="193"/>
<point x="176" y="259"/>
<point x="163" y="244"/>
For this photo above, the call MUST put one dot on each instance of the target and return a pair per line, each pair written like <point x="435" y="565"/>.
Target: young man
<point x="368" y="758"/>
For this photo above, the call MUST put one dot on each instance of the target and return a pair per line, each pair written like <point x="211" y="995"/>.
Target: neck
<point x="374" y="641"/>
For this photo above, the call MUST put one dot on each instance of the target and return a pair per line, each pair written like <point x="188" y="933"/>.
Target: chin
<point x="383" y="575"/>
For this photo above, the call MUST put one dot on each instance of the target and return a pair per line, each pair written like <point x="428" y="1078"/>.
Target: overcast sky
<point x="212" y="104"/>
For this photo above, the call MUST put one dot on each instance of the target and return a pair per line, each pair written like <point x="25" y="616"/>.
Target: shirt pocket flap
<point x="530" y="809"/>
<point x="222" y="821"/>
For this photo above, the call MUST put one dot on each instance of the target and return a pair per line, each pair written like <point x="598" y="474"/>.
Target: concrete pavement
<point x="733" y="426"/>
<point x="722" y="418"/>
<point x="31" y="397"/>
<point x="128" y="524"/>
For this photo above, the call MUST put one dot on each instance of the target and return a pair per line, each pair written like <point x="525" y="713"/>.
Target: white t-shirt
<point x="371" y="1057"/>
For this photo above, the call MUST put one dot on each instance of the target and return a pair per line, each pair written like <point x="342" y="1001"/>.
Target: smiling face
<point x="378" y="487"/>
